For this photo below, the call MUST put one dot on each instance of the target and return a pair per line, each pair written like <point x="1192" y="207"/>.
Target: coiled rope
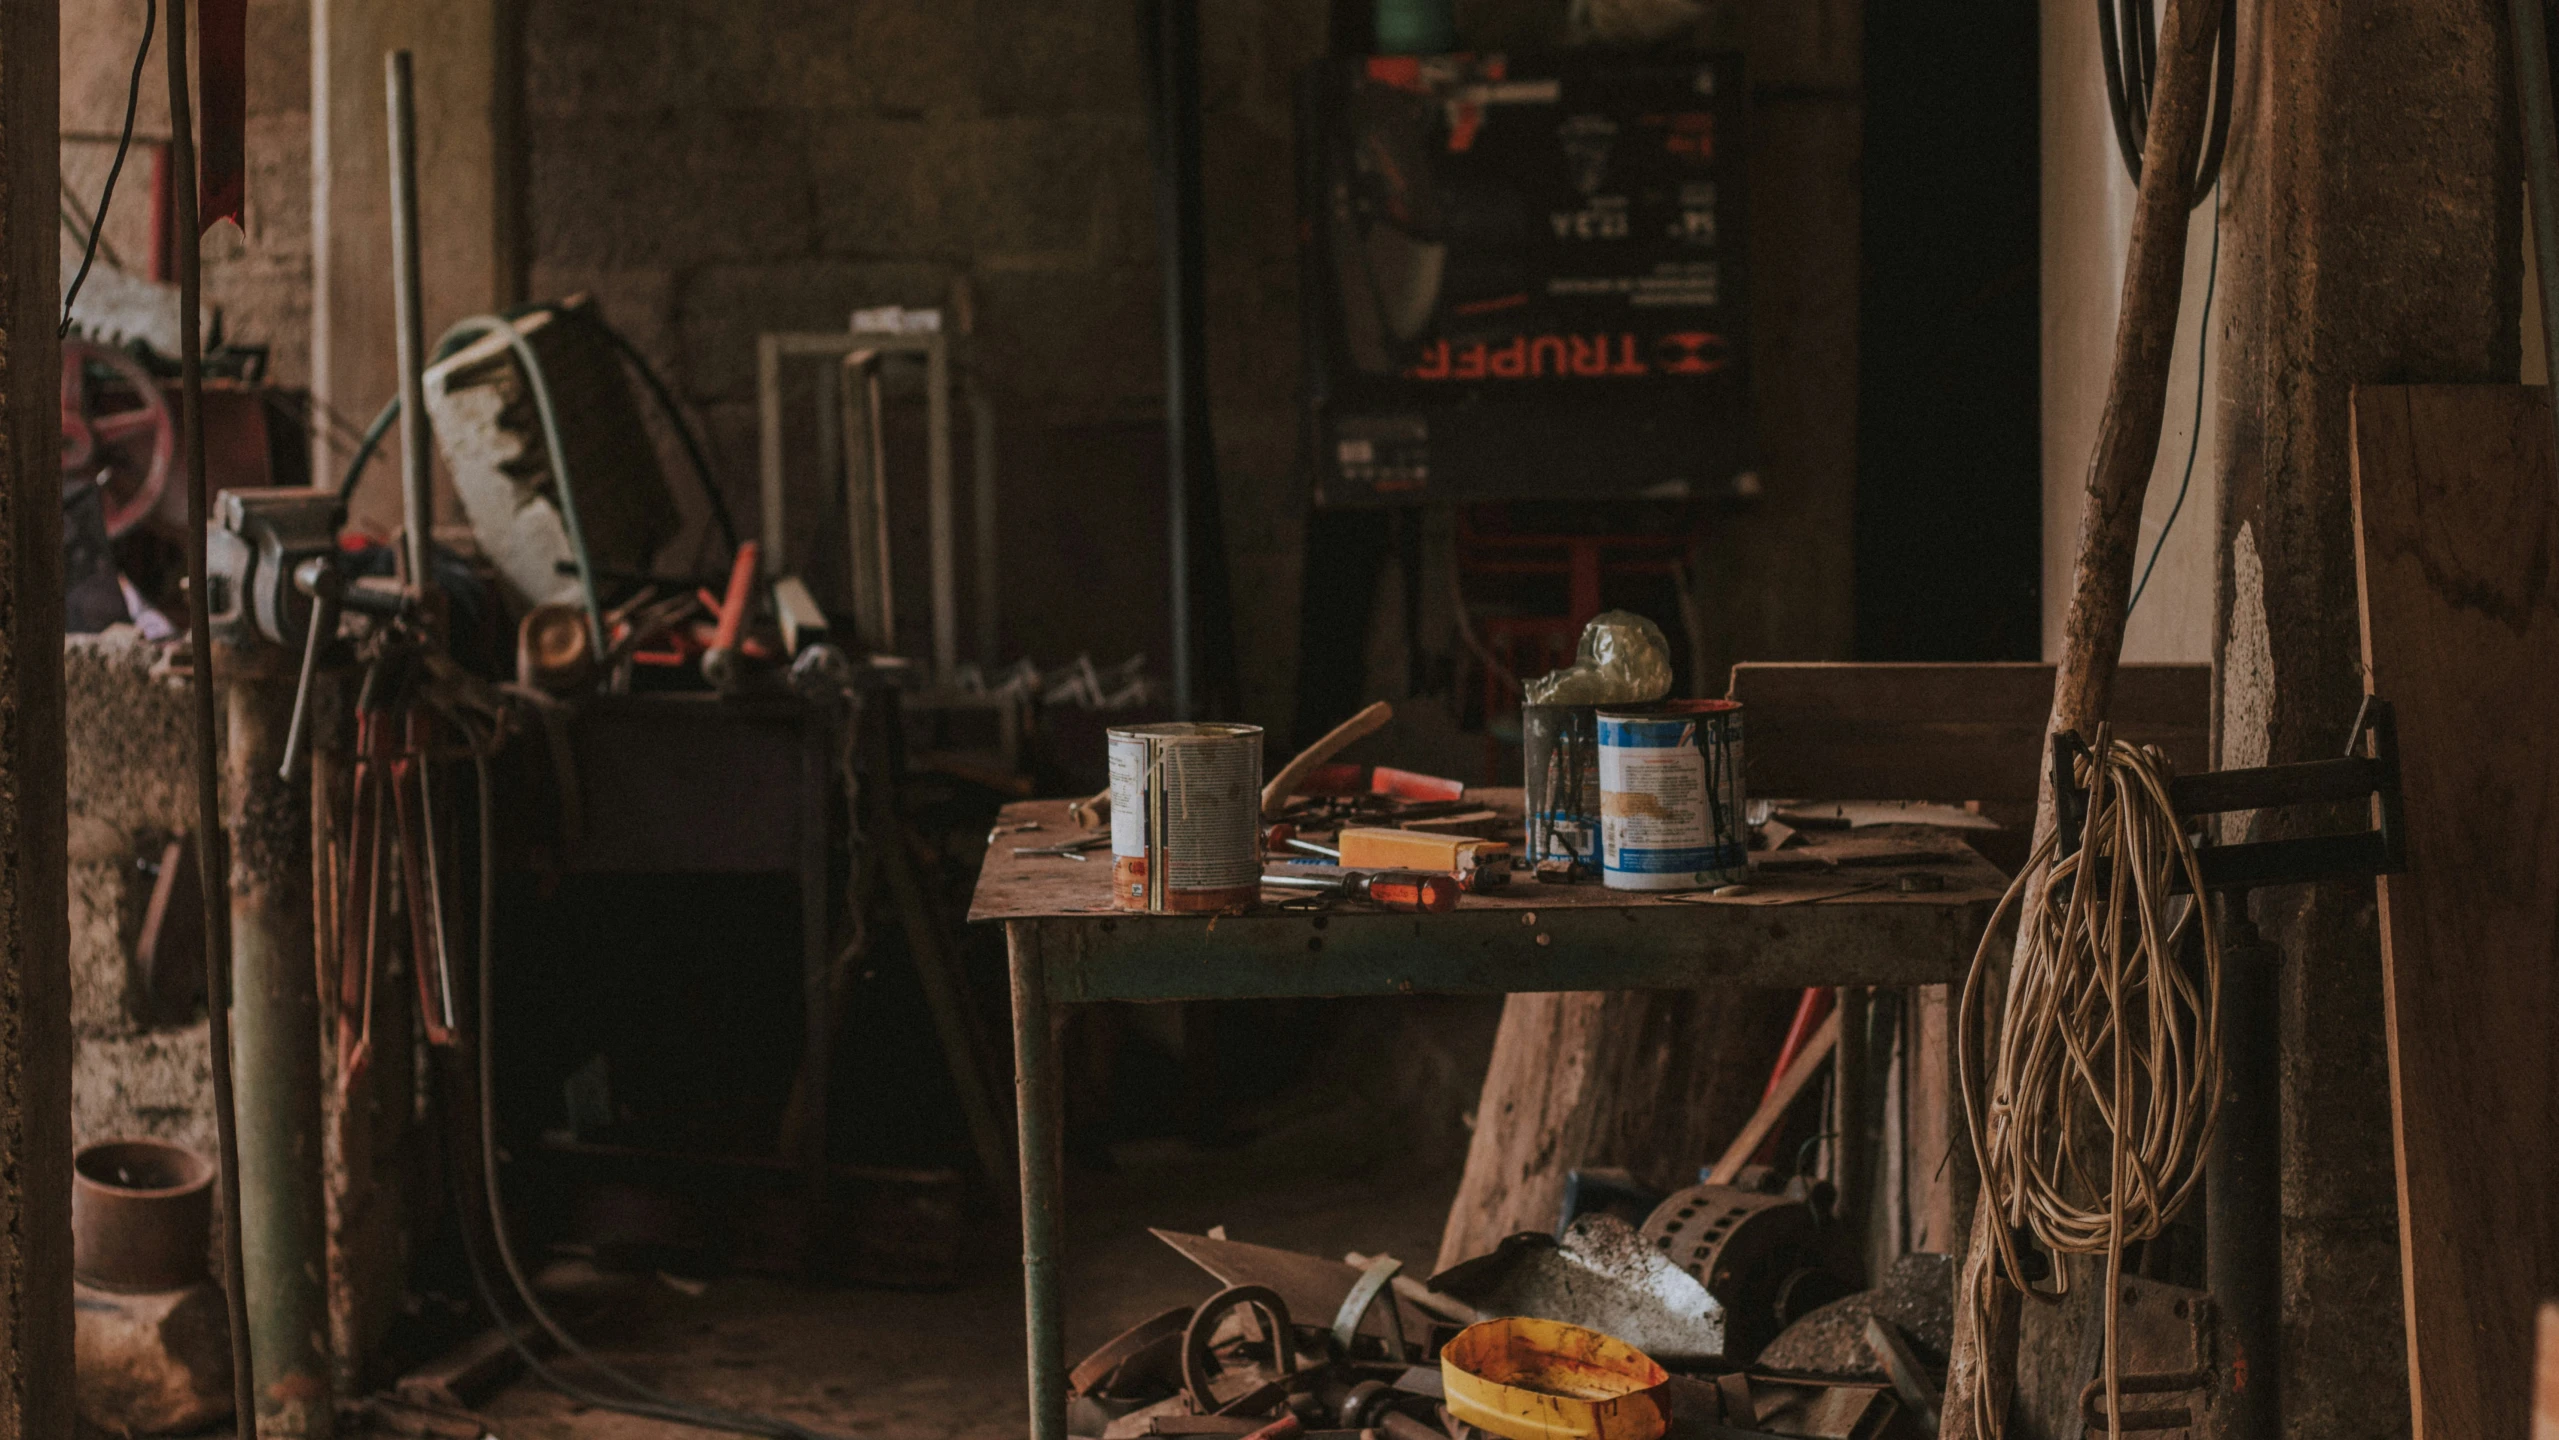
<point x="2103" y="1032"/>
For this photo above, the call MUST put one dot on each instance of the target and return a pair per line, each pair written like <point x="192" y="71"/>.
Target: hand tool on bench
<point x="1411" y="891"/>
<point x="1476" y="865"/>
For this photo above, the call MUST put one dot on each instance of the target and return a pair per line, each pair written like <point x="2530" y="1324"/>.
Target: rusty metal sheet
<point x="1311" y="1286"/>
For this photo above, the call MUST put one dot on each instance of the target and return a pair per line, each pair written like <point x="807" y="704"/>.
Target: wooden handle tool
<point x="1359" y="727"/>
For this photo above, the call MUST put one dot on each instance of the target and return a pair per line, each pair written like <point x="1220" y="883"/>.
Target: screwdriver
<point x="1411" y="891"/>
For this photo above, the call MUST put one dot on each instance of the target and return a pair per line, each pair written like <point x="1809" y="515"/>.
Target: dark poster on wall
<point x="1523" y="277"/>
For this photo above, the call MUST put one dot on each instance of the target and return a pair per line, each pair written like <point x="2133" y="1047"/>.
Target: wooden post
<point x="1981" y="1372"/>
<point x="35" y="986"/>
<point x="1656" y="1081"/>
<point x="2373" y="232"/>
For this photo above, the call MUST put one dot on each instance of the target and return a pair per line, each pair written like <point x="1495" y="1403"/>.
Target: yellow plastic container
<point x="1527" y="1379"/>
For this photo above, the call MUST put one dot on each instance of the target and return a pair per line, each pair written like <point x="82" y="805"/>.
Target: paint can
<point x="1561" y="743"/>
<point x="1670" y="795"/>
<point x="1186" y="816"/>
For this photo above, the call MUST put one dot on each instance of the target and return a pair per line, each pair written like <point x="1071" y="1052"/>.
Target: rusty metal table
<point x="1069" y="945"/>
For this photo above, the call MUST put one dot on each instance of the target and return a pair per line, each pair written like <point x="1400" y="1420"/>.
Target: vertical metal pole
<point x="768" y="452"/>
<point x="1038" y="1103"/>
<point x="417" y="493"/>
<point x="1201" y="633"/>
<point x="937" y="422"/>
<point x="212" y="853"/>
<point x="283" y="1215"/>
<point x="817" y="946"/>
<point x="982" y="512"/>
<point x="2243" y="1177"/>
<point x="2541" y="166"/>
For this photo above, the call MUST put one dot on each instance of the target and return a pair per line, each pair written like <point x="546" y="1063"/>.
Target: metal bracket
<point x="2370" y="778"/>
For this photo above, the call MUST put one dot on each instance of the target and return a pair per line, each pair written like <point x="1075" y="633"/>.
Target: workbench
<point x="1851" y="925"/>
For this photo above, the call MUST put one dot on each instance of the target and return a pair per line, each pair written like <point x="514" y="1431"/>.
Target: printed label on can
<point x="1670" y="800"/>
<point x="1128" y="796"/>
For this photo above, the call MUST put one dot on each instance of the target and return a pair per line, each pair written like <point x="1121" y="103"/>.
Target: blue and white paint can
<point x="1670" y="796"/>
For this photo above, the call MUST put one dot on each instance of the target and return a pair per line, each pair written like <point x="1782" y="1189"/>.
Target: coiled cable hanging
<point x="2103" y="1030"/>
<point x="2128" y="52"/>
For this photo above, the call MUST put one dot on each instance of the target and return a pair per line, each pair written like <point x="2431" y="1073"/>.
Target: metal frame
<point x="934" y="348"/>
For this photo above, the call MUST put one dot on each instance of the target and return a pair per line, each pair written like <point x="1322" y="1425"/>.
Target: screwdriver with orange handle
<point x="1414" y="892"/>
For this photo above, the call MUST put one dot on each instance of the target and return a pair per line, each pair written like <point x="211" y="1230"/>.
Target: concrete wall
<point x="259" y="277"/>
<point x="2087" y="230"/>
<point x="131" y="759"/>
<point x="710" y="171"/>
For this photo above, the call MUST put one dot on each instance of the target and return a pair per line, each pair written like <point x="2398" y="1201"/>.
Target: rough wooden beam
<point x="35" y="983"/>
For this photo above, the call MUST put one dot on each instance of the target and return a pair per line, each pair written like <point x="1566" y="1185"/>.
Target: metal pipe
<point x="212" y="859"/>
<point x="768" y="432"/>
<point x="1037" y="1085"/>
<point x="939" y="506"/>
<point x="1201" y="632"/>
<point x="2243" y="1184"/>
<point x="982" y="514"/>
<point x="2541" y="170"/>
<point x="417" y="494"/>
<point x="283" y="1236"/>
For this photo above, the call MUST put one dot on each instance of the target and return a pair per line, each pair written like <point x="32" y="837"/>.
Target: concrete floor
<point x="1343" y="1174"/>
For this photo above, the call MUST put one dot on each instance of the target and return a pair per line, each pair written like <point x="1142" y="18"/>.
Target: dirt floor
<point x="949" y="1365"/>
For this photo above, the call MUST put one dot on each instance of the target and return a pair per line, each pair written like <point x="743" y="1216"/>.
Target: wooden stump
<point x="1655" y="1081"/>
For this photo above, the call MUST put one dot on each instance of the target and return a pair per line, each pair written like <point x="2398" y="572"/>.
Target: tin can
<point x="1186" y="813"/>
<point x="1561" y="743"/>
<point x="1670" y="795"/>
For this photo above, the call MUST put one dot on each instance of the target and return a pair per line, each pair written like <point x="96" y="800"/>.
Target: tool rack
<point x="1069" y="945"/>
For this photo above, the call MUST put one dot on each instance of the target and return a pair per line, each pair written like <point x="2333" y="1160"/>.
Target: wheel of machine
<point x="1751" y="1251"/>
<point x="117" y="430"/>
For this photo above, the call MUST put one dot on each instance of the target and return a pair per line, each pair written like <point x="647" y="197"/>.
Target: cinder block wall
<point x="711" y="171"/>
<point x="257" y="275"/>
<point x="131" y="762"/>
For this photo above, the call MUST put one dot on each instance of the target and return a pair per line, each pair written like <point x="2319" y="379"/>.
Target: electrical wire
<point x="213" y="846"/>
<point x="124" y="142"/>
<point x="695" y="453"/>
<point x="2103" y="1030"/>
<point x="2195" y="432"/>
<point x="641" y="1400"/>
<point x="2128" y="54"/>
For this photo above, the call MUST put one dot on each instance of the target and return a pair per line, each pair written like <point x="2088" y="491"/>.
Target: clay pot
<point x="141" y="1215"/>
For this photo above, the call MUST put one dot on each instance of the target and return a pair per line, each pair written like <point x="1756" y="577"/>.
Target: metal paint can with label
<point x="1670" y="796"/>
<point x="1186" y="812"/>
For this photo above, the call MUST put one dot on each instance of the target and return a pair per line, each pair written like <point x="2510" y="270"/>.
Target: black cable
<point x="2128" y="53"/>
<point x="124" y="142"/>
<point x="2195" y="434"/>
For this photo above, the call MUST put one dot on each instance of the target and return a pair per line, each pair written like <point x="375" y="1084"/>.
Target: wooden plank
<point x="2457" y="547"/>
<point x="2545" y="1383"/>
<point x="1942" y="732"/>
<point x="1774" y="1105"/>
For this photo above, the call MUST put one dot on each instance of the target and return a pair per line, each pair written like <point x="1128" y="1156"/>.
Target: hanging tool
<point x="1408" y="891"/>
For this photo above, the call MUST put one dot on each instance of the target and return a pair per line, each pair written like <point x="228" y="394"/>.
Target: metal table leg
<point x="1038" y="1099"/>
<point x="817" y="784"/>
